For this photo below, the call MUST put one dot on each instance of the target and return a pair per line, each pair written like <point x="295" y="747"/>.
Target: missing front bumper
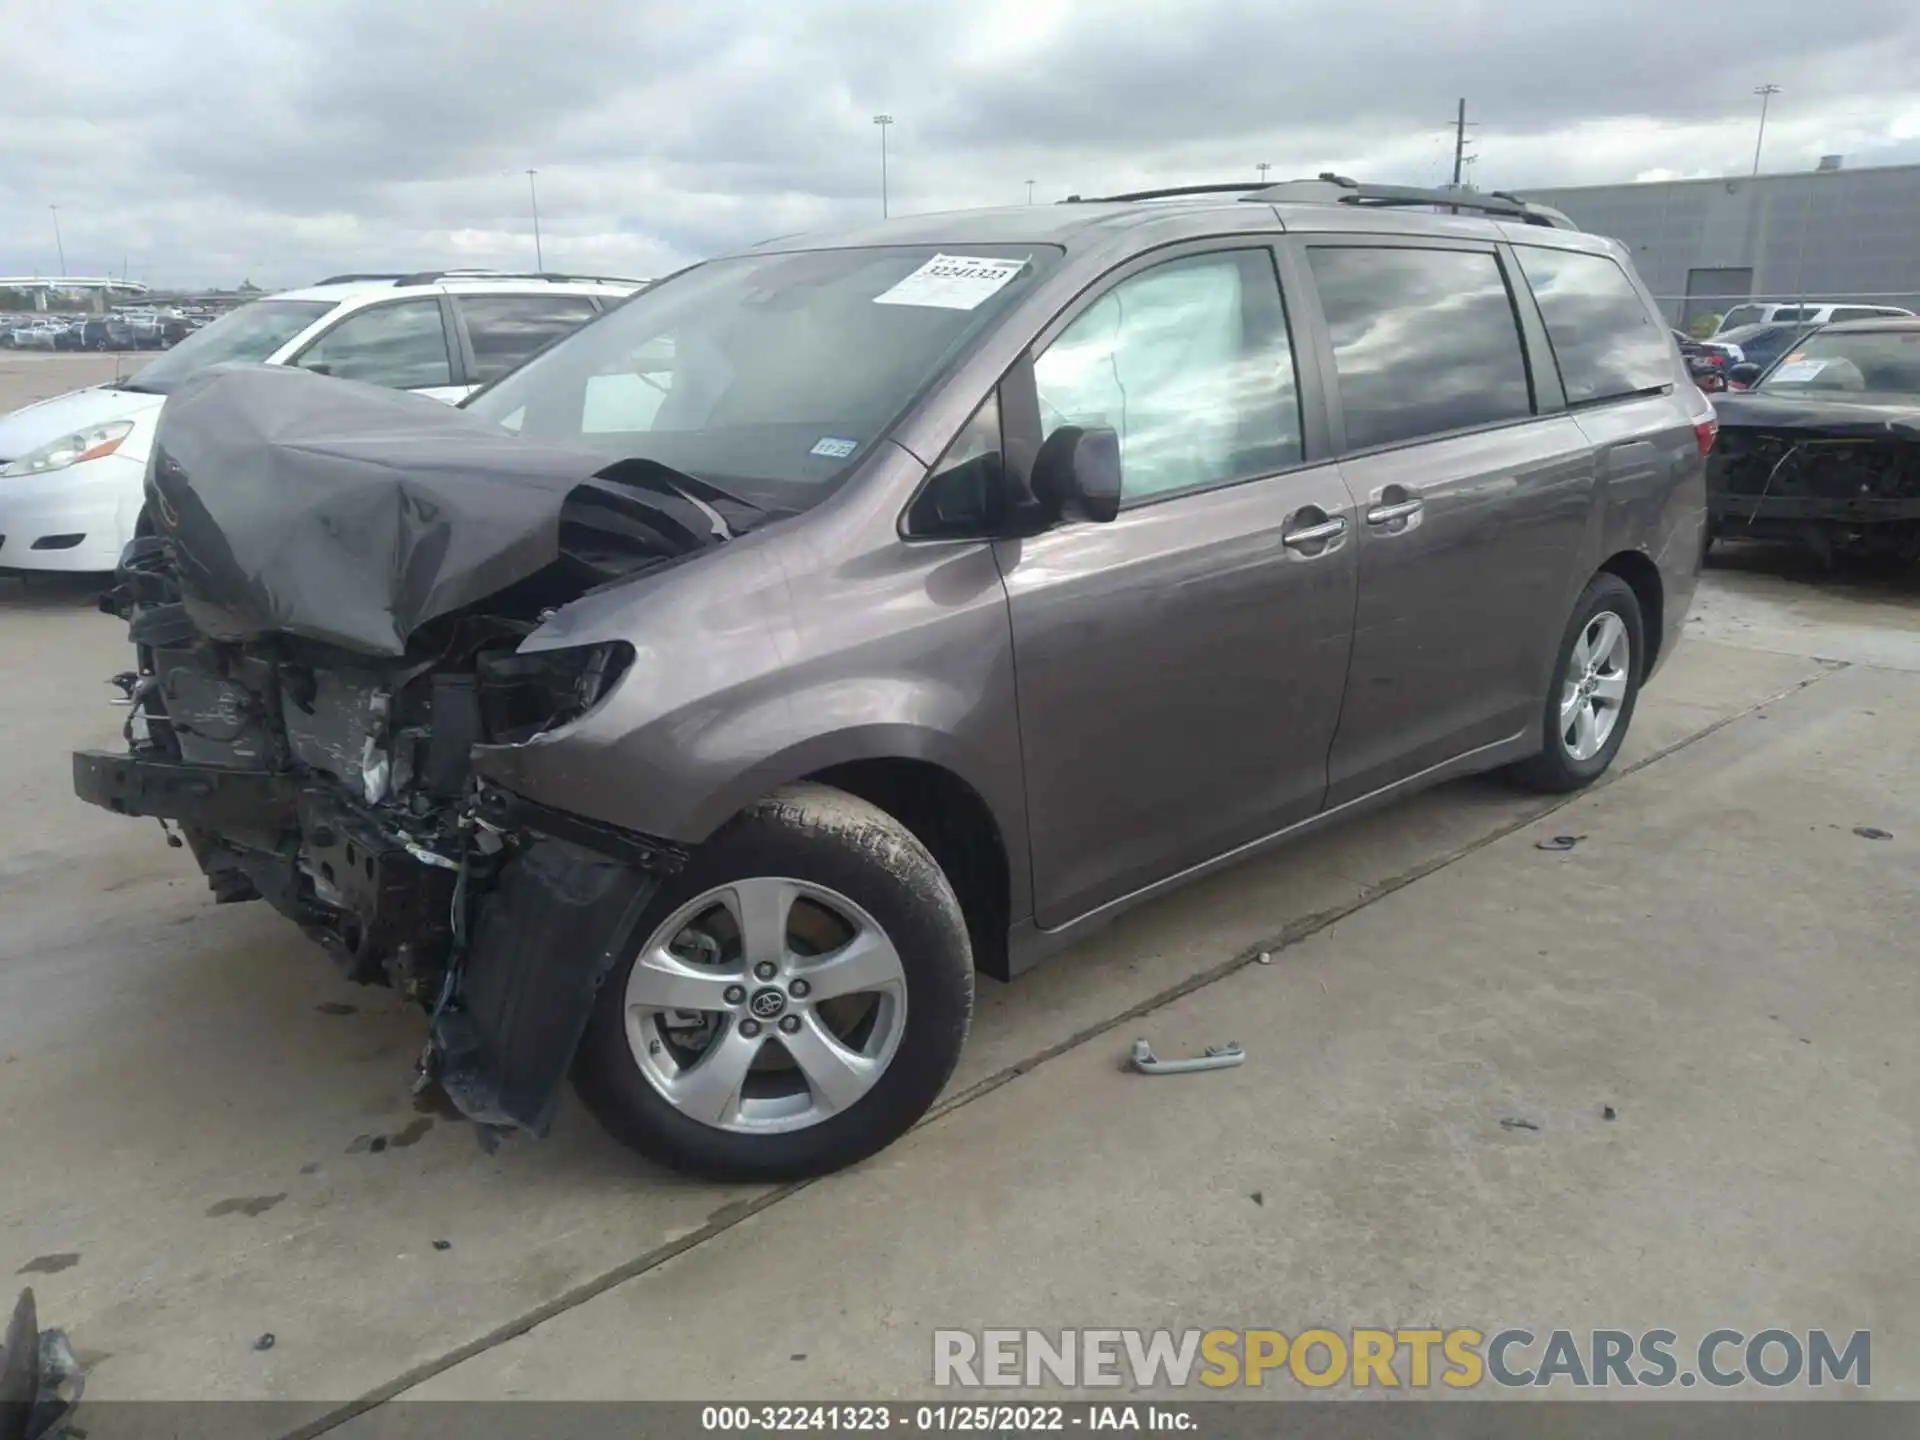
<point x="509" y="952"/>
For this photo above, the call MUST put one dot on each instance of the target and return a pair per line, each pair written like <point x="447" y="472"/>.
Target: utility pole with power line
<point x="1766" y="93"/>
<point x="1460" y="156"/>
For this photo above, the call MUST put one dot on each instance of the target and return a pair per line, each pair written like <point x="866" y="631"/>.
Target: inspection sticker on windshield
<point x="833" y="448"/>
<point x="1797" y="370"/>
<point x="952" y="282"/>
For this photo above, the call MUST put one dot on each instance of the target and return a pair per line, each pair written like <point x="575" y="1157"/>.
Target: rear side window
<point x="1860" y="312"/>
<point x="402" y="346"/>
<point x="1424" y="341"/>
<point x="1605" y="342"/>
<point x="506" y="330"/>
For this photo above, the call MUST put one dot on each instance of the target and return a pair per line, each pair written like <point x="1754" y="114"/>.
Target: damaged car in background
<point x="698" y="708"/>
<point x="1824" y="449"/>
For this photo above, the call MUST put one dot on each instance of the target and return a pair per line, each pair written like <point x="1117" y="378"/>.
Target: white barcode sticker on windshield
<point x="952" y="282"/>
<point x="1795" y="371"/>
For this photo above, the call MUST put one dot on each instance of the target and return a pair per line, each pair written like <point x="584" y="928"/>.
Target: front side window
<point x="1424" y="341"/>
<point x="1880" y="363"/>
<point x="1606" y="344"/>
<point x="771" y="375"/>
<point x="402" y="346"/>
<point x="1191" y="364"/>
<point x="247" y="335"/>
<point x="508" y="330"/>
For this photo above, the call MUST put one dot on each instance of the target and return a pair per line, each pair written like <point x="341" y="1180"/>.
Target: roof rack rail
<point x="430" y="277"/>
<point x="1171" y="192"/>
<point x="1331" y="189"/>
<point x="359" y="279"/>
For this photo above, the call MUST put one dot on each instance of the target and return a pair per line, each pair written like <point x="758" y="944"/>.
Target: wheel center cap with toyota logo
<point x="767" y="1004"/>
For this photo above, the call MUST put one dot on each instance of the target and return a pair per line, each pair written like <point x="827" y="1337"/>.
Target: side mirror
<point x="1745" y="373"/>
<point x="1076" y="475"/>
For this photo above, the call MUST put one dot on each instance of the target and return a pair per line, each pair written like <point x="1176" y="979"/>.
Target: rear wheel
<point x="1596" y="682"/>
<point x="798" y="997"/>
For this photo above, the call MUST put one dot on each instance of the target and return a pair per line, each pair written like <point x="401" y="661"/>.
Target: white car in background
<point x="72" y="469"/>
<point x="1806" y="312"/>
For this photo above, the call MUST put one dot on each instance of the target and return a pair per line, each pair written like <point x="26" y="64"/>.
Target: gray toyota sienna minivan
<point x="699" y="708"/>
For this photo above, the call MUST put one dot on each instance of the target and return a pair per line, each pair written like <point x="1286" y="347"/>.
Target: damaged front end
<point x="1835" y="481"/>
<point x="326" y="614"/>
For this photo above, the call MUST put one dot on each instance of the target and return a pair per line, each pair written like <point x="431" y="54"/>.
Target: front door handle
<point x="1309" y="537"/>
<point x="1397" y="510"/>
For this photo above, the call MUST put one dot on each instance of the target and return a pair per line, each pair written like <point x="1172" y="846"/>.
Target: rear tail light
<point x="1705" y="432"/>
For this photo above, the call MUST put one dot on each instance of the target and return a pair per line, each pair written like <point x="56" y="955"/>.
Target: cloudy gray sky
<point x="203" y="141"/>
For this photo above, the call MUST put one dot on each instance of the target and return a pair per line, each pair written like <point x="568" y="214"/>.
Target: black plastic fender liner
<point x="556" y="922"/>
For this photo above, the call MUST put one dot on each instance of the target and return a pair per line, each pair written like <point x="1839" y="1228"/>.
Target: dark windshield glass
<point x="769" y="375"/>
<point x="1762" y="344"/>
<point x="1864" y="363"/>
<point x="247" y="335"/>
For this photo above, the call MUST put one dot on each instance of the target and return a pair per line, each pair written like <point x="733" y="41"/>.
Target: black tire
<point x="816" y="834"/>
<point x="1555" y="770"/>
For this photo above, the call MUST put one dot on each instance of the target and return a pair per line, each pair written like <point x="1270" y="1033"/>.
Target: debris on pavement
<point x="1559" y="842"/>
<point x="1514" y="1123"/>
<point x="1607" y="1112"/>
<point x="1217" y="1057"/>
<point x="1266" y="957"/>
<point x="1259" y="1198"/>
<point x="1872" y="832"/>
<point x="265" y="1342"/>
<point x="443" y="1244"/>
<point x="40" y="1379"/>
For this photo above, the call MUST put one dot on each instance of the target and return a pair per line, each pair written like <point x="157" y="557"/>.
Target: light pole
<point x="1029" y="192"/>
<point x="539" y="259"/>
<point x="1263" y="167"/>
<point x="59" y="244"/>
<point x="1765" y="92"/>
<point x="883" y="121"/>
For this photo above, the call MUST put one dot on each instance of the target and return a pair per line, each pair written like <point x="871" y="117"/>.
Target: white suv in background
<point x="72" y="468"/>
<point x="1806" y="312"/>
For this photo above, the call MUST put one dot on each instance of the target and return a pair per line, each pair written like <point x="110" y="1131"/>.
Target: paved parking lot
<point x="209" y="1135"/>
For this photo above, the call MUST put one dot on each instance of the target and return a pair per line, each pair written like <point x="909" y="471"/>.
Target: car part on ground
<point x="40" y="1380"/>
<point x="701" y="705"/>
<point x="1214" y="1057"/>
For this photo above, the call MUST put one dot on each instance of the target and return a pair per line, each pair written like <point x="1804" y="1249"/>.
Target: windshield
<point x="249" y="334"/>
<point x="1739" y="315"/>
<point x="1864" y="362"/>
<point x="767" y="375"/>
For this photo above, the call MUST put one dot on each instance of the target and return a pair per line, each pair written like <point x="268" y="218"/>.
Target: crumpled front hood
<point x="45" y="421"/>
<point x="353" y="515"/>
<point x="1863" y="418"/>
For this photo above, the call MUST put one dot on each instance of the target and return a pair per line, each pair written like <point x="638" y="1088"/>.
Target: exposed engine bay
<point x="326" y="611"/>
<point x="1840" y="477"/>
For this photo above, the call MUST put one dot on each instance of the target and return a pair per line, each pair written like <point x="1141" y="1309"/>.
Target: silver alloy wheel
<point x="1596" y="685"/>
<point x="765" y="1005"/>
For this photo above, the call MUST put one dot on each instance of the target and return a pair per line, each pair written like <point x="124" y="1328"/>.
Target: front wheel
<point x="798" y="998"/>
<point x="1596" y="682"/>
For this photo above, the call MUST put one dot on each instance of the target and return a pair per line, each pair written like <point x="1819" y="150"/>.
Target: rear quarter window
<point x="1605" y="342"/>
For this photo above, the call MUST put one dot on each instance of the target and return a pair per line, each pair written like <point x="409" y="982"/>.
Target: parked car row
<point x="131" y="329"/>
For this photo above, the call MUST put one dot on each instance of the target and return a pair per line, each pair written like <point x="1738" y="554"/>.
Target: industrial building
<point x="1703" y="246"/>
